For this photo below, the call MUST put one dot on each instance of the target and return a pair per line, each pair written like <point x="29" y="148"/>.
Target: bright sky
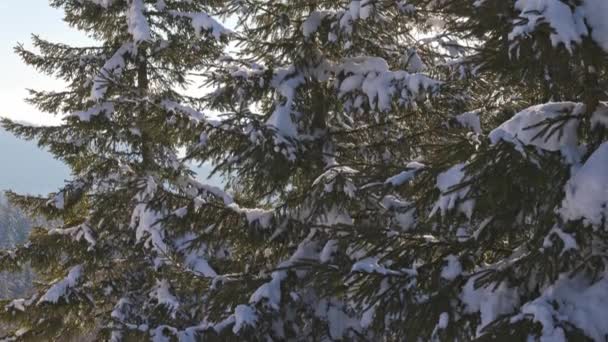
<point x="18" y="20"/>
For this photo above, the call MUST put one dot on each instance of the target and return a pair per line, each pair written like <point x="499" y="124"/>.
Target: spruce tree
<point x="109" y="265"/>
<point x="326" y="110"/>
<point x="467" y="202"/>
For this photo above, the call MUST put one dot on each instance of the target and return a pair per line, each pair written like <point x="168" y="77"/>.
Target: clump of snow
<point x="328" y="251"/>
<point x="19" y="304"/>
<point x="195" y="255"/>
<point x="452" y="269"/>
<point x="450" y="199"/>
<point x="260" y="216"/>
<point x="574" y="300"/>
<point x="372" y="265"/>
<point x="146" y="223"/>
<point x="60" y="289"/>
<point x="102" y="3"/>
<point x="160" y="5"/>
<point x="371" y="76"/>
<point x="567" y="239"/>
<point x="334" y="313"/>
<point x="490" y="302"/>
<point x="112" y="69"/>
<point x="106" y="108"/>
<point x="137" y="23"/>
<point x="599" y="118"/>
<point x="78" y="233"/>
<point x="118" y="313"/>
<point x="312" y="23"/>
<point x="405" y="176"/>
<point x="361" y="9"/>
<point x="244" y="316"/>
<point x="162" y="294"/>
<point x="526" y="127"/>
<point x="568" y="21"/>
<point x="57" y="201"/>
<point x="595" y="12"/>
<point x="203" y="22"/>
<point x="568" y="27"/>
<point x="444" y="319"/>
<point x="271" y="291"/>
<point x="587" y="191"/>
<point x="404" y="212"/>
<point x="413" y="62"/>
<point x="286" y="82"/>
<point x="470" y="120"/>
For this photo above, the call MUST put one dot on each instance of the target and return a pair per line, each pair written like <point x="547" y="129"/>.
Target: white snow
<point x="203" y="22"/>
<point x="371" y="265"/>
<point x="244" y="316"/>
<point x="404" y="212"/>
<point x="587" y="191"/>
<point x="262" y="217"/>
<point x="518" y="130"/>
<point x="162" y="294"/>
<point x="569" y="28"/>
<point x="106" y="108"/>
<point x="57" y="201"/>
<point x="574" y="300"/>
<point x="413" y="62"/>
<point x="405" y="176"/>
<point x="286" y="82"/>
<point x="599" y="118"/>
<point x="195" y="255"/>
<point x="449" y="199"/>
<point x="567" y="239"/>
<point x="270" y="291"/>
<point x="470" y="120"/>
<point x="489" y="302"/>
<point x="328" y="251"/>
<point x="444" y="319"/>
<point x="371" y="76"/>
<point x="82" y="231"/>
<point x="312" y="23"/>
<point x="119" y="307"/>
<point x="137" y="22"/>
<point x="452" y="269"/>
<point x="334" y="312"/>
<point x="147" y="228"/>
<point x="61" y="288"/>
<point x="595" y="13"/>
<point x="112" y="69"/>
<point x="361" y="9"/>
<point x="567" y="21"/>
<point x="102" y="3"/>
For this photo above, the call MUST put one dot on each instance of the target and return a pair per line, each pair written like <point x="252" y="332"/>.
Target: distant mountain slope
<point x="25" y="168"/>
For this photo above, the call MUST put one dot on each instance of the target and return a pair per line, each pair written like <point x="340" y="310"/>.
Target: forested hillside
<point x="14" y="229"/>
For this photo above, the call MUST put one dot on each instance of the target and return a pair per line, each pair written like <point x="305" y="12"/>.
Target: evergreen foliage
<point x="396" y="170"/>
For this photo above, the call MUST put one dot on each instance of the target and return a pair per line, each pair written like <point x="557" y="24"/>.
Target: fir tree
<point x="467" y="202"/>
<point x="110" y="266"/>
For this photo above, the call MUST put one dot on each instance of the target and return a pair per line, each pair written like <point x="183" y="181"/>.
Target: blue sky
<point x="18" y="20"/>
